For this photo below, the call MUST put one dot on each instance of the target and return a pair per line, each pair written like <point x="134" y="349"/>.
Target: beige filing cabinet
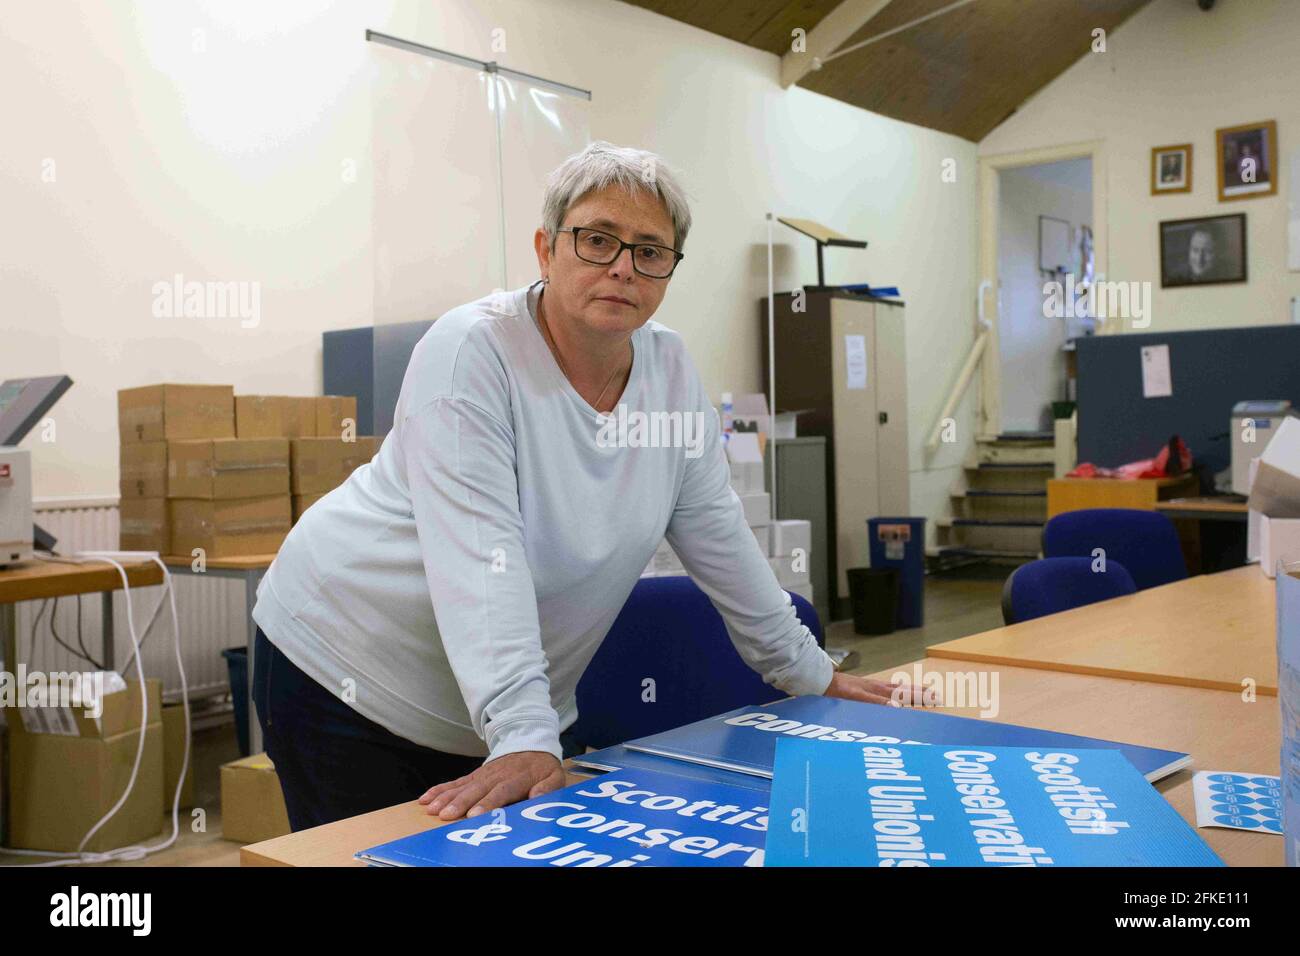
<point x="844" y="357"/>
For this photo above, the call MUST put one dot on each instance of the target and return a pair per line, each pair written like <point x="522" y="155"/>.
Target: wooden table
<point x="1218" y="729"/>
<point x="1072" y="494"/>
<point x="1213" y="631"/>
<point x="40" y="580"/>
<point x="1204" y="509"/>
<point x="1212" y="531"/>
<point x="247" y="568"/>
<point x="333" y="844"/>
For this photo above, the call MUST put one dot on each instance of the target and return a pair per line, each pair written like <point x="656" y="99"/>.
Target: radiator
<point x="211" y="612"/>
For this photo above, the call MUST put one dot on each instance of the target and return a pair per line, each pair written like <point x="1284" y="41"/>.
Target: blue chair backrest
<point x="668" y="632"/>
<point x="1057" y="584"/>
<point x="1145" y="542"/>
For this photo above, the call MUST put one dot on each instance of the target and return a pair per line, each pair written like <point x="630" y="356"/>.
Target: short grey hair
<point x="602" y="164"/>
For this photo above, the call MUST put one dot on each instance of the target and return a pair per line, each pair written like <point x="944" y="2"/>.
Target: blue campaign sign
<point x="621" y="819"/>
<point x="961" y="805"/>
<point x="744" y="740"/>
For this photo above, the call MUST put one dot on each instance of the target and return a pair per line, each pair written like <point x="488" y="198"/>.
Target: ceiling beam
<point x="827" y="37"/>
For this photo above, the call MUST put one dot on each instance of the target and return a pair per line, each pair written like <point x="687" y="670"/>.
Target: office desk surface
<point x="334" y="844"/>
<point x="1208" y="509"/>
<point x="1217" y="728"/>
<point x="1212" y="631"/>
<point x="248" y="562"/>
<point x="36" y="580"/>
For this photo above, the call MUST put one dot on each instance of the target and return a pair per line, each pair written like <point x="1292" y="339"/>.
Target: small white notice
<point x="1156" y="379"/>
<point x="855" y="358"/>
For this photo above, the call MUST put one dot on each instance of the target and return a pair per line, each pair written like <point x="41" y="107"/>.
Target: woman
<point x="425" y="625"/>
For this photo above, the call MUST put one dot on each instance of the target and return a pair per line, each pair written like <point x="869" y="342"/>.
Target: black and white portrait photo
<point x="1203" y="251"/>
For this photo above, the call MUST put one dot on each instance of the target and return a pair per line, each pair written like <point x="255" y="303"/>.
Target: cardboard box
<point x="302" y="502"/>
<point x="299" y="416"/>
<point x="173" y="725"/>
<point x="1279" y="540"/>
<point x="333" y="413"/>
<point x="62" y="783"/>
<point x="1275" y="490"/>
<point x="322" y="464"/>
<point x="142" y="525"/>
<point x="230" y="527"/>
<point x="142" y="469"/>
<point x="252" y="804"/>
<point x="260" y="416"/>
<point x="169" y="412"/>
<point x="228" y="468"/>
<point x="783" y="567"/>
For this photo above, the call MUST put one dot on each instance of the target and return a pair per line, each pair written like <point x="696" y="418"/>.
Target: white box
<point x="763" y="534"/>
<point x="747" y="477"/>
<point x="1276" y="489"/>
<point x="787" y="535"/>
<point x="758" y="509"/>
<point x="1279" y="540"/>
<point x="786" y="576"/>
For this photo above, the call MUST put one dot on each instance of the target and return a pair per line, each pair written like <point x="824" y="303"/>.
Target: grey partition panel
<point x="1211" y="370"/>
<point x="370" y="363"/>
<point x="801" y="494"/>
<point x="347" y="359"/>
<point x="393" y="347"/>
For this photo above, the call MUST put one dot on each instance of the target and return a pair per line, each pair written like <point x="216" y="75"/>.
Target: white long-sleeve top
<point x="455" y="588"/>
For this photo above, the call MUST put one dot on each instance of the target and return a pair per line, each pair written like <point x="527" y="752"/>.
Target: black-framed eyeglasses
<point x="601" y="248"/>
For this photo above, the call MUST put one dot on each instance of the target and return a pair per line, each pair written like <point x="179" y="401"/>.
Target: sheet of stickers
<point x="1238" y="801"/>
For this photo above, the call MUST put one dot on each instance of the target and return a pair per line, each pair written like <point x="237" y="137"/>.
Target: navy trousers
<point x="332" y="762"/>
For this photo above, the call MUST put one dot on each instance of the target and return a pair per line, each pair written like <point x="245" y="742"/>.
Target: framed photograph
<point x="1171" y="169"/>
<point x="1204" y="251"/>
<point x="1247" y="160"/>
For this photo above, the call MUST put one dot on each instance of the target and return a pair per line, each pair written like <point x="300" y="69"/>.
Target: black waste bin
<point x="874" y="595"/>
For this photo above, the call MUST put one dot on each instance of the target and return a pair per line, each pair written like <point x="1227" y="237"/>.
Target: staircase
<point x="999" y="506"/>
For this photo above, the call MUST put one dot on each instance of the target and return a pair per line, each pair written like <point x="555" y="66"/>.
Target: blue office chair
<point x="1145" y="542"/>
<point x="669" y="632"/>
<point x="1057" y="584"/>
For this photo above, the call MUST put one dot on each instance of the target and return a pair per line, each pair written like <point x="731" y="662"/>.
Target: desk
<point x="1073" y="494"/>
<point x="39" y="580"/>
<point x="333" y="844"/>
<point x="250" y="569"/>
<point x="1211" y="631"/>
<point x="1212" y="531"/>
<point x="1217" y="728"/>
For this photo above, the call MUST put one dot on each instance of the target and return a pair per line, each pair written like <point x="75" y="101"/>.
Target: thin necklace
<point x="555" y="349"/>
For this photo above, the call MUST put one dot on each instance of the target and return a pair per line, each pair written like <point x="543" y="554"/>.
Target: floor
<point x="954" y="607"/>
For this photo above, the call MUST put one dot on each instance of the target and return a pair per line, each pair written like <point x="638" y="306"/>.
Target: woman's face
<point x="585" y="292"/>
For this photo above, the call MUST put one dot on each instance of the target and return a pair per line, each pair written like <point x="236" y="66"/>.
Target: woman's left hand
<point x="871" y="691"/>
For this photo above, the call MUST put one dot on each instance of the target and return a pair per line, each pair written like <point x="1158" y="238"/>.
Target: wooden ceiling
<point x="962" y="72"/>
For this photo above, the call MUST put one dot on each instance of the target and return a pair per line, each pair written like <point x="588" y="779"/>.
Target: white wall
<point x="1032" y="363"/>
<point x="227" y="163"/>
<point x="1173" y="74"/>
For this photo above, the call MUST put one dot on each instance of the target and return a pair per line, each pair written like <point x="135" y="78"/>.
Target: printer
<point x="1254" y="424"/>
<point x="23" y="402"/>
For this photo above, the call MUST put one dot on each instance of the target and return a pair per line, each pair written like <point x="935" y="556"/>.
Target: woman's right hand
<point x="506" y="780"/>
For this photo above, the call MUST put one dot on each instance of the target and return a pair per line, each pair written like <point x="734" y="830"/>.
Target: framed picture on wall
<point x="1205" y="251"/>
<point x="1247" y="160"/>
<point x="1171" y="169"/>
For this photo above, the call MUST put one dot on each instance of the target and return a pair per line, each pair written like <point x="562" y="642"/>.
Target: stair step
<point x="954" y="551"/>
<point x="989" y="523"/>
<point x="1045" y="438"/>
<point x="982" y="493"/>
<point x="1012" y="466"/>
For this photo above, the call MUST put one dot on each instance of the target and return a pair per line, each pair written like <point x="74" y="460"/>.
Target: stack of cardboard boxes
<point x="202" y="468"/>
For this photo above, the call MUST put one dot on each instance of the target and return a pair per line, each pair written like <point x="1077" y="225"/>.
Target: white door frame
<point x="989" y="168"/>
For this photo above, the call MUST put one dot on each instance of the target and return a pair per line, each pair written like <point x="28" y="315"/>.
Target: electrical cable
<point x="134" y="852"/>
